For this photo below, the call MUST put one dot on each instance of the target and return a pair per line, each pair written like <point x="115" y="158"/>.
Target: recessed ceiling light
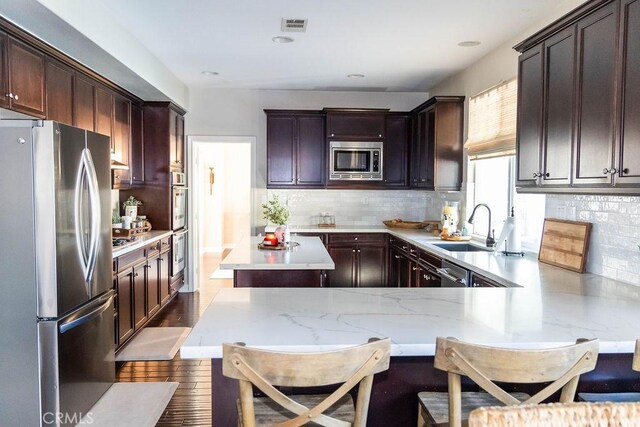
<point x="469" y="43"/>
<point x="282" y="39"/>
<point x="355" y="76"/>
<point x="210" y="73"/>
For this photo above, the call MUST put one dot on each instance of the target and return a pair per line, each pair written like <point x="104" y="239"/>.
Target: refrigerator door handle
<point x="94" y="200"/>
<point x="79" y="219"/>
<point x="77" y="321"/>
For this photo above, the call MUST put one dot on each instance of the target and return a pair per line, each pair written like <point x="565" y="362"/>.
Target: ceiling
<point x="400" y="45"/>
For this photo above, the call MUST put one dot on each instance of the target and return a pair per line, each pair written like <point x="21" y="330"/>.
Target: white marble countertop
<point x="309" y="255"/>
<point x="549" y="307"/>
<point x="143" y="240"/>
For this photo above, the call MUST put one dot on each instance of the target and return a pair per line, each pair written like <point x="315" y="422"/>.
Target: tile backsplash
<point x="362" y="207"/>
<point x="613" y="251"/>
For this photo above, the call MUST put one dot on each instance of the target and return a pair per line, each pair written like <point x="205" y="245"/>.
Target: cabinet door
<point x="104" y="114"/>
<point x="344" y="275"/>
<point x="356" y="125"/>
<point x="139" y="296"/>
<point x="399" y="274"/>
<point x="311" y="151"/>
<point x="529" y="130"/>
<point x="597" y="53"/>
<point x="26" y="79"/>
<point x="136" y="155"/>
<point x="124" y="305"/>
<point x="395" y="155"/>
<point x="59" y="92"/>
<point x="372" y="262"/>
<point x="629" y="146"/>
<point x="4" y="70"/>
<point x="84" y="103"/>
<point x="173" y="138"/>
<point x="425" y="278"/>
<point x="164" y="279"/>
<point x="153" y="286"/>
<point x="180" y="142"/>
<point x="121" y="138"/>
<point x="445" y="142"/>
<point x="559" y="57"/>
<point x="281" y="151"/>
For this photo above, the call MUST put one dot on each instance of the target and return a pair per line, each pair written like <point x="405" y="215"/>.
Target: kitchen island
<point x="303" y="264"/>
<point x="560" y="308"/>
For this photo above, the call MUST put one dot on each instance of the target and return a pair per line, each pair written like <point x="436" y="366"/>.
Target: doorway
<point x="221" y="185"/>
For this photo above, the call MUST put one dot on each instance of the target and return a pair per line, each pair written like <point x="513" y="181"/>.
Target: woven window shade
<point x="492" y="122"/>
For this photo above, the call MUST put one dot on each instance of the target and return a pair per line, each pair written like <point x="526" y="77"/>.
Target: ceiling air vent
<point x="293" y="25"/>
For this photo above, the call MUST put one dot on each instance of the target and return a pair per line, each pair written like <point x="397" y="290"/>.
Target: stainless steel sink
<point x="461" y="247"/>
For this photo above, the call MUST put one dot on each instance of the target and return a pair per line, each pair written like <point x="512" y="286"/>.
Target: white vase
<point x="131" y="211"/>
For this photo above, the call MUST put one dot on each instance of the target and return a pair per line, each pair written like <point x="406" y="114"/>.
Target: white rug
<point x="130" y="405"/>
<point x="154" y="344"/>
<point x="222" y="274"/>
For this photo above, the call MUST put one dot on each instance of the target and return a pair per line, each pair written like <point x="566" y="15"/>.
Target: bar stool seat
<point x="438" y="404"/>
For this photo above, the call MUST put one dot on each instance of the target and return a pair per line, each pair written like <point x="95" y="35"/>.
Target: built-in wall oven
<point x="179" y="252"/>
<point x="179" y="201"/>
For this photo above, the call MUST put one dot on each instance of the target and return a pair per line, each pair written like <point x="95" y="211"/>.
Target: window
<point x="491" y="149"/>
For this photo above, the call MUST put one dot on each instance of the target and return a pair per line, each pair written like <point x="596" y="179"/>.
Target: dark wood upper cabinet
<point x="437" y="144"/>
<point x="59" y="85"/>
<point x="628" y="154"/>
<point x="26" y="75"/>
<point x="121" y="139"/>
<point x="597" y="53"/>
<point x="179" y="156"/>
<point x="591" y="97"/>
<point x="395" y="152"/>
<point x="529" y="132"/>
<point x="84" y="103"/>
<point x="4" y="70"/>
<point x="136" y="155"/>
<point x="559" y="59"/>
<point x="104" y="113"/>
<point x="295" y="149"/>
<point x="354" y="125"/>
<point x="310" y="150"/>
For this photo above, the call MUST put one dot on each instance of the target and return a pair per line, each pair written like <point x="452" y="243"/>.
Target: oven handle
<point x="180" y="233"/>
<point x="444" y="272"/>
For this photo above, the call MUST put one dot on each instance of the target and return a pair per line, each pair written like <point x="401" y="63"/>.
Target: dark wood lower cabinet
<point x="344" y="275"/>
<point x="143" y="286"/>
<point x="399" y="267"/>
<point x="278" y="278"/>
<point x="358" y="266"/>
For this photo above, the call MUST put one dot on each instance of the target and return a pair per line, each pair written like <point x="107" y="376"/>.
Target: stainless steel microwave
<point x="355" y="160"/>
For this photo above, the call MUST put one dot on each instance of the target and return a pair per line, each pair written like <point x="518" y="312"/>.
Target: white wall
<point x="238" y="112"/>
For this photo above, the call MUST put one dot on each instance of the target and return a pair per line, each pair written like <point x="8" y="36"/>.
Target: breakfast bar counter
<point x="548" y="315"/>
<point x="303" y="264"/>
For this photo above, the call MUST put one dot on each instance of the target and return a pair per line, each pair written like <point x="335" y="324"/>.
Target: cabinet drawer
<point x="129" y="259"/>
<point x="153" y="249"/>
<point x="357" y="238"/>
<point x="165" y="245"/>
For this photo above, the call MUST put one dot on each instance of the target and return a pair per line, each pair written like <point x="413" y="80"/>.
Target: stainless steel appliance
<point x="57" y="334"/>
<point x="355" y="160"/>
<point x="178" y="201"/>
<point x="179" y="250"/>
<point x="453" y="276"/>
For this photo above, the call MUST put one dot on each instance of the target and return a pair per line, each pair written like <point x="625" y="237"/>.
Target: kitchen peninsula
<point x="545" y="307"/>
<point x="301" y="265"/>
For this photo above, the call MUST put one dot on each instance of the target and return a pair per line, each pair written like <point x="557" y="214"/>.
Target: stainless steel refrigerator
<point x="56" y="304"/>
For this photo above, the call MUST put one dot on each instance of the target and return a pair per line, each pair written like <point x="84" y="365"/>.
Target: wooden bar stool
<point x="616" y="397"/>
<point x="266" y="369"/>
<point x="561" y="366"/>
<point x="577" y="414"/>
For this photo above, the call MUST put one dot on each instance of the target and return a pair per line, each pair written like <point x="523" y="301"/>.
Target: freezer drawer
<point x="77" y="361"/>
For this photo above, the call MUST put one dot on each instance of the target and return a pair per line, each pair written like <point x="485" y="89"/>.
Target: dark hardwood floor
<point x="191" y="403"/>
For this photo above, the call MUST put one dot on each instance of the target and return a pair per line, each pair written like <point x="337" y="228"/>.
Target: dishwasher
<point x="453" y="276"/>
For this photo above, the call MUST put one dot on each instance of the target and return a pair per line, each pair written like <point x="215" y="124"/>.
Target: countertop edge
<point x="147" y="238"/>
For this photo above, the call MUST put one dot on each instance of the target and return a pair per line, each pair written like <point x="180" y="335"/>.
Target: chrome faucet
<point x="491" y="241"/>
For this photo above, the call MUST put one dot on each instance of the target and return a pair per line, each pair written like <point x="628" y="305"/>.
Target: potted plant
<point x="116" y="219"/>
<point x="277" y="215"/>
<point x="131" y="207"/>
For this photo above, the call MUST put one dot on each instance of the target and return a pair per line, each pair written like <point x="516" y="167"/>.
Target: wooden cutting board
<point x="565" y="244"/>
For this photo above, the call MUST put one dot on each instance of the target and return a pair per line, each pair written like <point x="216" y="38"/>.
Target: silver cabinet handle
<point x="397" y="256"/>
<point x="355" y="238"/>
<point x="426" y="277"/>
<point x="15" y="97"/>
<point x="358" y="250"/>
<point x="414" y="268"/>
<point x="353" y="250"/>
<point x="379" y="135"/>
<point x="611" y="171"/>
<point x="404" y="247"/>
